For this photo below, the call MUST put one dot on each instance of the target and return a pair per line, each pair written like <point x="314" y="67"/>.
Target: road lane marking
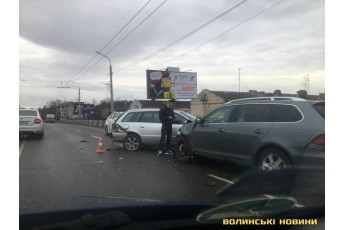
<point x="78" y="131"/>
<point x="21" y="148"/>
<point x="94" y="136"/>
<point x="222" y="179"/>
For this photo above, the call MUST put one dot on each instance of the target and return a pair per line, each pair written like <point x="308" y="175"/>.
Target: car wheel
<point x="132" y="142"/>
<point x="184" y="150"/>
<point x="41" y="135"/>
<point x="273" y="159"/>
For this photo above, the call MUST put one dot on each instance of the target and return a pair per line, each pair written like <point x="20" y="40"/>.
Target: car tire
<point x="183" y="150"/>
<point x="272" y="159"/>
<point x="132" y="142"/>
<point x="106" y="131"/>
<point x="41" y="135"/>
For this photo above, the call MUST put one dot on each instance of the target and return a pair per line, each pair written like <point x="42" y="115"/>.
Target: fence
<point x="94" y="123"/>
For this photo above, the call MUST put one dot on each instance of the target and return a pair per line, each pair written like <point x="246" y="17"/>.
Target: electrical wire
<point x="184" y="37"/>
<point x="199" y="28"/>
<point x="225" y="32"/>
<point x="110" y="40"/>
<point x="124" y="37"/>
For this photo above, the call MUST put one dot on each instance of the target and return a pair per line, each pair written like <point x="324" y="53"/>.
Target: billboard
<point x="84" y="108"/>
<point x="171" y="85"/>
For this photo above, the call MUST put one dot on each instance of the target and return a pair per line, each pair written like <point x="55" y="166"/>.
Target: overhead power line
<point x="125" y="37"/>
<point x="185" y="36"/>
<point x="124" y="27"/>
<point x="110" y="40"/>
<point x="137" y="26"/>
<point x="227" y="31"/>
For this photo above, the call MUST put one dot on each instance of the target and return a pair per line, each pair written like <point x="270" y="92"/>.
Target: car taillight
<point x="317" y="143"/>
<point x="37" y="121"/>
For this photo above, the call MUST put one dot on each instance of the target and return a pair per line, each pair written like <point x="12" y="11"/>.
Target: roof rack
<point x="267" y="99"/>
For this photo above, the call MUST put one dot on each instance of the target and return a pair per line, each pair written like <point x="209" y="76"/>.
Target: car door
<point x="245" y="131"/>
<point x="208" y="135"/>
<point x="150" y="128"/>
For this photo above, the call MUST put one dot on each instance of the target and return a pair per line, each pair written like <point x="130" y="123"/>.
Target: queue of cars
<point x="268" y="132"/>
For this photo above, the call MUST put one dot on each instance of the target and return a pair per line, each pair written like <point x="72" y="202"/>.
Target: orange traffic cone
<point x="100" y="148"/>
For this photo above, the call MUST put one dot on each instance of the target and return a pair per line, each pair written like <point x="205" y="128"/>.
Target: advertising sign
<point x="84" y="108"/>
<point x="76" y="107"/>
<point x="87" y="108"/>
<point x="171" y="85"/>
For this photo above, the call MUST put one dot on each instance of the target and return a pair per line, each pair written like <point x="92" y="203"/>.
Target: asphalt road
<point x="63" y="171"/>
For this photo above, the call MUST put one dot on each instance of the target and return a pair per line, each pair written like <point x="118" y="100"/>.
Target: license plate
<point x="23" y="122"/>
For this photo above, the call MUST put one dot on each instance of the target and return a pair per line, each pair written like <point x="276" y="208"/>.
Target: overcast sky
<point x="276" y="44"/>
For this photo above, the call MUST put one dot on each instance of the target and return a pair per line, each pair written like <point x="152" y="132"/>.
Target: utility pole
<point x="306" y="78"/>
<point x="111" y="83"/>
<point x="78" y="95"/>
<point x="239" y="81"/>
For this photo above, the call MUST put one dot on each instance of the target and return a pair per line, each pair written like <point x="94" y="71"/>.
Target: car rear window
<point x="281" y="113"/>
<point x="27" y="113"/>
<point x="248" y="113"/>
<point x="320" y="108"/>
<point x="150" y="117"/>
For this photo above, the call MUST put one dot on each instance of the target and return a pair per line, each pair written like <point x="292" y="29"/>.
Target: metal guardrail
<point x="93" y="123"/>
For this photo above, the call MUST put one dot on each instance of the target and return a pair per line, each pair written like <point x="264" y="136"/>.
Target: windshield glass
<point x="189" y="116"/>
<point x="81" y="61"/>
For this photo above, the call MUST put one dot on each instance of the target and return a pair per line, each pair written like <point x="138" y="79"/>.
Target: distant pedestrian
<point x="167" y="117"/>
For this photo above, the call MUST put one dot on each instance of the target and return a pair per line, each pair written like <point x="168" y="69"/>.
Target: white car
<point x="142" y="127"/>
<point x="110" y="121"/>
<point x="30" y="123"/>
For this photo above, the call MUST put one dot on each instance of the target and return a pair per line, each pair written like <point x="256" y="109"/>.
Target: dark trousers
<point x="165" y="136"/>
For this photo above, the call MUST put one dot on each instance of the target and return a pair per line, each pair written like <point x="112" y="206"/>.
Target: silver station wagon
<point x="142" y="127"/>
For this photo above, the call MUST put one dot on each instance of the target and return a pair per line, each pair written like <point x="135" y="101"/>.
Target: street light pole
<point x="78" y="97"/>
<point x="111" y="83"/>
<point x="239" y="81"/>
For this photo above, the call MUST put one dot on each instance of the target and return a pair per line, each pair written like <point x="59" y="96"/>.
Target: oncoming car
<point x="271" y="133"/>
<point x="30" y="123"/>
<point x="136" y="128"/>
